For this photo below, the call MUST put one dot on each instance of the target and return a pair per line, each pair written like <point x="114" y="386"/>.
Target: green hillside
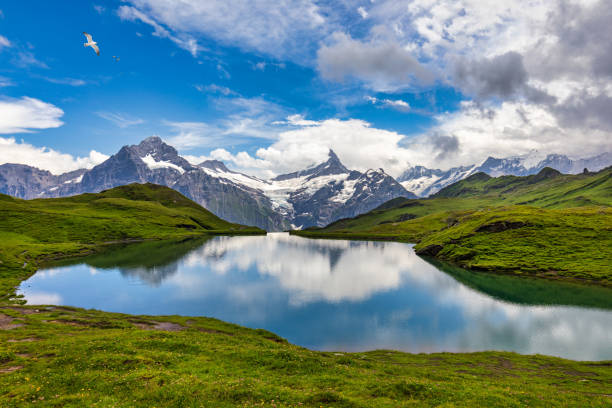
<point x="32" y="231"/>
<point x="548" y="188"/>
<point x="549" y="225"/>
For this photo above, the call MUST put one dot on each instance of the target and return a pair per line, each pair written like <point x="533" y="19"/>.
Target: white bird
<point x="91" y="43"/>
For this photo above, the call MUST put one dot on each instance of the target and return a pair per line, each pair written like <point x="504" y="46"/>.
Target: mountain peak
<point x="155" y="146"/>
<point x="215" y="165"/>
<point x="332" y="155"/>
<point x="333" y="165"/>
<point x="547" y="172"/>
<point x="153" y="140"/>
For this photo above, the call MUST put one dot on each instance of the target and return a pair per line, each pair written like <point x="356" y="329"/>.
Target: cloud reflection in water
<point x="332" y="295"/>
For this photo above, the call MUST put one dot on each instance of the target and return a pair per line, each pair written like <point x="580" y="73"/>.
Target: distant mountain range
<point x="425" y="182"/>
<point x="315" y="196"/>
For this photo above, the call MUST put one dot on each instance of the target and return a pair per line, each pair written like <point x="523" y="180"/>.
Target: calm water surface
<point x="336" y="295"/>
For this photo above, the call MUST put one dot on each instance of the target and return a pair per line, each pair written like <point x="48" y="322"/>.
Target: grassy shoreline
<point x="549" y="225"/>
<point x="63" y="356"/>
<point x="561" y="244"/>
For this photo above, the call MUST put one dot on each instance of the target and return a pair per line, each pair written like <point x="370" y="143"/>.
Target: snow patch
<point x="154" y="164"/>
<point x="75" y="180"/>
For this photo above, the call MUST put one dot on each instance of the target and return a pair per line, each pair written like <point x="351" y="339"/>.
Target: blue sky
<point x="385" y="84"/>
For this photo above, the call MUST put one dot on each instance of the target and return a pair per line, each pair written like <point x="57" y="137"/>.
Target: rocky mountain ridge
<point x="424" y="181"/>
<point x="315" y="196"/>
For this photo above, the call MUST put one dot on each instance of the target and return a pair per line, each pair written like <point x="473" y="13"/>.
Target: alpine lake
<point x="336" y="295"/>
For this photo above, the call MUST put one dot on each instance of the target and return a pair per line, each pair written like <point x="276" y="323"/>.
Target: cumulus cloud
<point x="464" y="137"/>
<point x="358" y="145"/>
<point x="540" y="71"/>
<point x="381" y="65"/>
<point x="12" y="151"/>
<point x="502" y="76"/>
<point x="26" y="114"/>
<point x="512" y="128"/>
<point x="444" y="145"/>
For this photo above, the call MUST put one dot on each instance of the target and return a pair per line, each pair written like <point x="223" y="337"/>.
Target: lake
<point x="336" y="295"/>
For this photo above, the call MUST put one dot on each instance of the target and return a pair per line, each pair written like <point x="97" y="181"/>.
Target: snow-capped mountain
<point x="316" y="196"/>
<point x="424" y="182"/>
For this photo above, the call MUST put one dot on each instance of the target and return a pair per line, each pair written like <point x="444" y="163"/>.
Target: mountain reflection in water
<point x="337" y="295"/>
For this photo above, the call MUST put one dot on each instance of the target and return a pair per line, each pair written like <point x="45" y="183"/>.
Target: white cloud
<point x="245" y="118"/>
<point x="512" y="128"/>
<point x="66" y="81"/>
<point x="4" y="81"/>
<point x="461" y="138"/>
<point x="43" y="298"/>
<point x="4" y="42"/>
<point x="296" y="120"/>
<point x="541" y="70"/>
<point x="184" y="41"/>
<point x="99" y="9"/>
<point x="12" y="151"/>
<point x="271" y="27"/>
<point x="358" y="145"/>
<point x="25" y="114"/>
<point x="25" y="59"/>
<point x="397" y="104"/>
<point x="214" y="88"/>
<point x="119" y="119"/>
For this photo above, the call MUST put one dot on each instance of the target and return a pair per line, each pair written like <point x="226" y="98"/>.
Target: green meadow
<point x="59" y="356"/>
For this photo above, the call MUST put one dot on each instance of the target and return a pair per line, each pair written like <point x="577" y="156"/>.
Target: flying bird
<point x="91" y="43"/>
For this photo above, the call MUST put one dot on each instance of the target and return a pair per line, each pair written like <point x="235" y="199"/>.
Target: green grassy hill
<point x="549" y="225"/>
<point x="32" y="231"/>
<point x="548" y="188"/>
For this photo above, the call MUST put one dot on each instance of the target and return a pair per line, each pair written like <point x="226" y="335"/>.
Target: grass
<point x="36" y="231"/>
<point x="59" y="356"/>
<point x="547" y="225"/>
<point x="64" y="357"/>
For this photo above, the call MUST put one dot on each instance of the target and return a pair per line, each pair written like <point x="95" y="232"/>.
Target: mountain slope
<point x="315" y="196"/>
<point x="569" y="243"/>
<point x="120" y="213"/>
<point x="549" y="189"/>
<point x="425" y="182"/>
